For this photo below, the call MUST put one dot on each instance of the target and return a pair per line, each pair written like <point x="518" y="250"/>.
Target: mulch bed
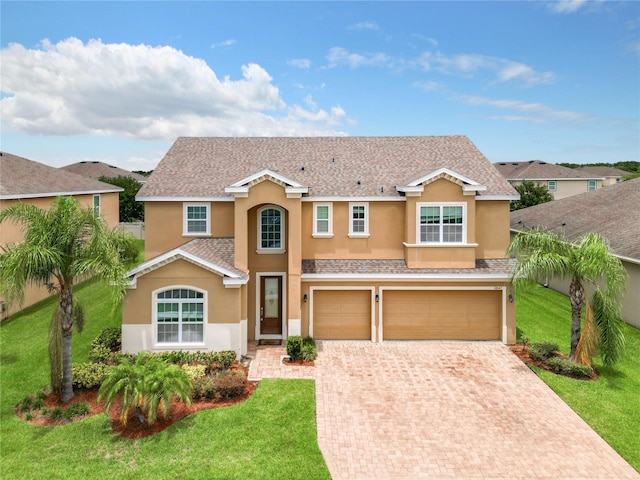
<point x="133" y="428"/>
<point x="298" y="363"/>
<point x="521" y="351"/>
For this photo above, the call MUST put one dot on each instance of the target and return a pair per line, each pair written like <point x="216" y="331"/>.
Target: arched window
<point x="271" y="229"/>
<point x="179" y="316"/>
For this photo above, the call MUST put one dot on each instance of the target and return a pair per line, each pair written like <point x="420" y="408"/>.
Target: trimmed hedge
<point x="567" y="367"/>
<point x="88" y="375"/>
<point x="543" y="350"/>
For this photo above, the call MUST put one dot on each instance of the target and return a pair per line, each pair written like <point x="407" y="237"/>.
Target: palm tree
<point x="542" y="254"/>
<point x="145" y="385"/>
<point x="61" y="245"/>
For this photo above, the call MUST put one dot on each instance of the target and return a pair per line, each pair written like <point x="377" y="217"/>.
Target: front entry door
<point x="270" y="305"/>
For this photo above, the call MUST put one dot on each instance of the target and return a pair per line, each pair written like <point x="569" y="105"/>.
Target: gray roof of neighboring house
<point x="329" y="166"/>
<point x="99" y="169"/>
<point x="24" y="178"/>
<point x="612" y="211"/>
<point x="604" y="171"/>
<point x="538" y="170"/>
<point x="398" y="267"/>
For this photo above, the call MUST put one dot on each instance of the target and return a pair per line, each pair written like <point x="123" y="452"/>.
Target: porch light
<point x="377" y="297"/>
<point x="305" y="297"/>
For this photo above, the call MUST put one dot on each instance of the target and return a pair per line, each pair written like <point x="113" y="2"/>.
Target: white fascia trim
<point x="18" y="196"/>
<point x="234" y="282"/>
<point x="471" y="184"/>
<point x="177" y="254"/>
<point x="546" y="179"/>
<point x="184" y="199"/>
<point x="410" y="189"/>
<point x="401" y="277"/>
<point x="354" y="199"/>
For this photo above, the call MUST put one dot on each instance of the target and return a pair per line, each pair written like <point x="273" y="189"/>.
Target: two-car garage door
<point x="409" y="314"/>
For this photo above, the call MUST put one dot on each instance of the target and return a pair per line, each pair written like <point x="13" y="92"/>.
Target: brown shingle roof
<point x="500" y="267"/>
<point x="203" y="167"/>
<point x="604" y="171"/>
<point x="218" y="251"/>
<point x="24" y="178"/>
<point x="613" y="212"/>
<point x="100" y="169"/>
<point x="538" y="170"/>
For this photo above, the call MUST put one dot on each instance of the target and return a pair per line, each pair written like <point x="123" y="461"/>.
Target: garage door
<point x="441" y="315"/>
<point x="342" y="314"/>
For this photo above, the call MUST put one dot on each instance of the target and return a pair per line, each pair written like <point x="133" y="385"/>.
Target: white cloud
<point x="138" y="91"/>
<point x="224" y="43"/>
<point x="341" y="56"/>
<point x="566" y="6"/>
<point x="365" y="26"/>
<point x="429" y="86"/>
<point x="528" y="111"/>
<point x="303" y="63"/>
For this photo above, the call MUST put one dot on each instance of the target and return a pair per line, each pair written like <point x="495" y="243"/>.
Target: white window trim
<point x="185" y="230"/>
<point x="97" y="212"/>
<point x="442" y="204"/>
<point x="364" y="234"/>
<point x="595" y="185"/>
<point x="329" y="233"/>
<point x="555" y="185"/>
<point x="154" y="299"/>
<point x="272" y="251"/>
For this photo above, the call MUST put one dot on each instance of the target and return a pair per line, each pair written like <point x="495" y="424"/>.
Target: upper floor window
<point x="358" y="219"/>
<point x="591" y="186"/>
<point x="440" y="223"/>
<point x="179" y="316"/>
<point x="96" y="205"/>
<point x="551" y="185"/>
<point x="197" y="219"/>
<point x="322" y="219"/>
<point x="271" y="229"/>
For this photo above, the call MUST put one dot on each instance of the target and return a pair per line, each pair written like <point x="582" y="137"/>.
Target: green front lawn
<point x="271" y="435"/>
<point x="611" y="405"/>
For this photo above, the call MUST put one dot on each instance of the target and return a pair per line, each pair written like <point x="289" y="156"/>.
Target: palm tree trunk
<point x="66" y="311"/>
<point x="576" y="296"/>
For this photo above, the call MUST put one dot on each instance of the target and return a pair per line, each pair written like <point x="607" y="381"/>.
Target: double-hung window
<point x="441" y="223"/>
<point x="551" y="185"/>
<point x="322" y="221"/>
<point x="358" y="219"/>
<point x="197" y="219"/>
<point x="96" y="205"/>
<point x="271" y="230"/>
<point x="179" y="316"/>
<point x="591" y="186"/>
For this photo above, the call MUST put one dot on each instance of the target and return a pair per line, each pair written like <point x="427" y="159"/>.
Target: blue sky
<point x="119" y="81"/>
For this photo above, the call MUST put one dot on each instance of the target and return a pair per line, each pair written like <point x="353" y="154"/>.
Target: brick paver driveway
<point x="448" y="410"/>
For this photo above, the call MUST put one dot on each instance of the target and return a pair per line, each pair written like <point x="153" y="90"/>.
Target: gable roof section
<point x="213" y="254"/>
<point x="245" y="184"/>
<point x="331" y="167"/>
<point x="99" y="169"/>
<point x="538" y="170"/>
<point x="418" y="185"/>
<point x="611" y="211"/>
<point x="24" y="178"/>
<point x="604" y="171"/>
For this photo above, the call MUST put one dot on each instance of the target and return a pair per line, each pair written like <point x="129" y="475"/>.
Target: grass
<point x="271" y="435"/>
<point x="609" y="405"/>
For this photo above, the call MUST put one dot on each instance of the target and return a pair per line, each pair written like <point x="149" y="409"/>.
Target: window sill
<point x="358" y="235"/>
<point x="204" y="234"/>
<point x="322" y="235"/>
<point x="445" y="245"/>
<point x="179" y="346"/>
<point x="270" y="251"/>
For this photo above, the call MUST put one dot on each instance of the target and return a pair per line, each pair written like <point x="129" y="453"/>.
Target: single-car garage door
<point x="342" y="314"/>
<point x="441" y="314"/>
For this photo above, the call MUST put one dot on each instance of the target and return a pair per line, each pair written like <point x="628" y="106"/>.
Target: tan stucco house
<point x="370" y="238"/>
<point x="612" y="212"/>
<point x="561" y="181"/>
<point x="26" y="181"/>
<point x="610" y="175"/>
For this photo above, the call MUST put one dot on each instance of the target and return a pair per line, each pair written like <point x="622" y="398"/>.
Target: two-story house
<point x="561" y="181"/>
<point x="370" y="238"/>
<point x="26" y="181"/>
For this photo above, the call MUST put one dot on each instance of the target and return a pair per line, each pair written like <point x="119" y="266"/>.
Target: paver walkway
<point x="409" y="410"/>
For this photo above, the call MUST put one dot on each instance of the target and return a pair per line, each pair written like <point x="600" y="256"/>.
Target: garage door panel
<point x="442" y="315"/>
<point x="342" y="314"/>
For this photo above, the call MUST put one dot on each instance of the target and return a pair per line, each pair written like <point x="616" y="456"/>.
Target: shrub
<point x="37" y="404"/>
<point x="28" y="417"/>
<point x="308" y="340"/>
<point x="214" y="360"/>
<point x="25" y="404"/>
<point x="309" y="353"/>
<point x="204" y="387"/>
<point x="524" y="340"/>
<point x="229" y="384"/>
<point x="56" y="414"/>
<point x="543" y="350"/>
<point x="89" y="375"/>
<point x="109" y="338"/>
<point x="294" y="347"/>
<point x="567" y="367"/>
<point x="101" y="354"/>
<point x="195" y="371"/>
<point x="77" y="410"/>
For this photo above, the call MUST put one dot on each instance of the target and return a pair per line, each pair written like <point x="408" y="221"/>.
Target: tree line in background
<point x="632" y="167"/>
<point x="130" y="209"/>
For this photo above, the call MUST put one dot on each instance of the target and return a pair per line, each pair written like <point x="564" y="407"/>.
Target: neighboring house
<point x="26" y="181"/>
<point x="560" y="181"/>
<point x="99" y="169"/>
<point x="611" y="175"/>
<point x="612" y="212"/>
<point x="370" y="238"/>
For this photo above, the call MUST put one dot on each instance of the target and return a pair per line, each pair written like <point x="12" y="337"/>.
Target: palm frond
<point x="607" y="317"/>
<point x="589" y="339"/>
